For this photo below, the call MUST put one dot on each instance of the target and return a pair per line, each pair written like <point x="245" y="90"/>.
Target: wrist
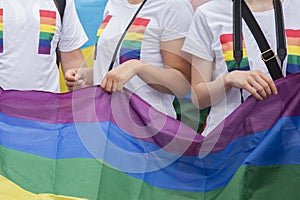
<point x="227" y="81"/>
<point x="137" y="65"/>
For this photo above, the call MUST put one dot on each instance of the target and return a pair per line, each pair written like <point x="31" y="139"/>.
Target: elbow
<point x="182" y="91"/>
<point x="200" y="104"/>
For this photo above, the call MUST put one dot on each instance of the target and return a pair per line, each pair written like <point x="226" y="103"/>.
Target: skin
<point x="208" y="92"/>
<point x="197" y="3"/>
<point x="71" y="60"/>
<point x="177" y="67"/>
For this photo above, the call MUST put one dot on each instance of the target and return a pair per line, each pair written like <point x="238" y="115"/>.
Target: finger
<point x="70" y="84"/>
<point x="259" y="88"/>
<point x="265" y="85"/>
<point x="103" y="83"/>
<point x="71" y="75"/>
<point x="270" y="83"/>
<point x="79" y="83"/>
<point x="120" y="86"/>
<point x="253" y="91"/>
<point x="114" y="86"/>
<point x="70" y="78"/>
<point x="109" y="85"/>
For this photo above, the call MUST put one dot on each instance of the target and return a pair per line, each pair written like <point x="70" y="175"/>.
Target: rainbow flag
<point x="226" y="41"/>
<point x="89" y="144"/>
<point x="47" y="30"/>
<point x="293" y="41"/>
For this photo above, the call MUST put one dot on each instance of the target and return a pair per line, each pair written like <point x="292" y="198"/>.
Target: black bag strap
<point x="123" y="35"/>
<point x="267" y="54"/>
<point x="237" y="34"/>
<point x="280" y="31"/>
<point x="60" y="5"/>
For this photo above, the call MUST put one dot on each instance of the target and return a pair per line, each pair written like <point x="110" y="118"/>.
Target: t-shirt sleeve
<point x="72" y="33"/>
<point x="199" y="39"/>
<point x="176" y="19"/>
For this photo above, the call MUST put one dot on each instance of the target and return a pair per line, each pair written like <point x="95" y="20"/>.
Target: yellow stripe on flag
<point x="11" y="191"/>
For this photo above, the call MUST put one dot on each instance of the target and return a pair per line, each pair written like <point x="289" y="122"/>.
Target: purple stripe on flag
<point x="137" y="117"/>
<point x="128" y="111"/>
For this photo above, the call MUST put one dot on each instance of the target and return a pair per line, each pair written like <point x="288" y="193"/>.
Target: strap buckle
<point x="267" y="55"/>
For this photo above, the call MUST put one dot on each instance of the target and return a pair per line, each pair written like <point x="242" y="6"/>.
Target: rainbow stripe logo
<point x="100" y="31"/>
<point x="47" y="30"/>
<point x="293" y="42"/>
<point x="131" y="46"/>
<point x="227" y="48"/>
<point x="1" y="30"/>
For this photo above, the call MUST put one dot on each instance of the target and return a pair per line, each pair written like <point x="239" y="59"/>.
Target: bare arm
<point x="174" y="78"/>
<point x="207" y="92"/>
<point x="74" y="69"/>
<point x="71" y="60"/>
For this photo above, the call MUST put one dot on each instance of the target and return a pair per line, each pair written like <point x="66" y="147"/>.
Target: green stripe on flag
<point x="90" y="178"/>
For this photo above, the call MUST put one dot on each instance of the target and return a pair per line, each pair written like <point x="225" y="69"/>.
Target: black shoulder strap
<point x="267" y="54"/>
<point x="60" y="4"/>
<point x="237" y="36"/>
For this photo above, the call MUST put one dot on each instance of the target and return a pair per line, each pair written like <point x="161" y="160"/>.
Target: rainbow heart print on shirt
<point x="227" y="48"/>
<point x="131" y="46"/>
<point x="293" y="42"/>
<point x="1" y="30"/>
<point x="47" y="30"/>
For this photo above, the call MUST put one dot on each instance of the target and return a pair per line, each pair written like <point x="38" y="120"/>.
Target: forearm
<point x="75" y="71"/>
<point x="72" y="60"/>
<point x="206" y="94"/>
<point x="166" y="80"/>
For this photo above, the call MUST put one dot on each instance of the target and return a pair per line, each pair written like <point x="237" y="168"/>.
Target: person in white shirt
<point x="31" y="31"/>
<point x="210" y="42"/>
<point x="149" y="61"/>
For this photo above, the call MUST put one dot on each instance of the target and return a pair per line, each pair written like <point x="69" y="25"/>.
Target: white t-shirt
<point x="30" y="31"/>
<point x="158" y="21"/>
<point x="210" y="38"/>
